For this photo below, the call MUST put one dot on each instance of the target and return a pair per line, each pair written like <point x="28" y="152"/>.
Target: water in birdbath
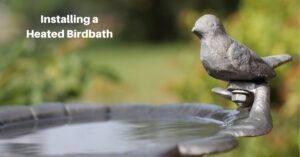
<point x="106" y="137"/>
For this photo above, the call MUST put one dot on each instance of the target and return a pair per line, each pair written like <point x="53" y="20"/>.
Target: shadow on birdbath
<point x="135" y="130"/>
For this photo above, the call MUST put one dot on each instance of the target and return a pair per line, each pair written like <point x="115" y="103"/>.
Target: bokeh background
<point x="153" y="57"/>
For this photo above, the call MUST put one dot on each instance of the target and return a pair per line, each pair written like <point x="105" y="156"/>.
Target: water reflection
<point x="170" y="131"/>
<point x="28" y="149"/>
<point x="105" y="137"/>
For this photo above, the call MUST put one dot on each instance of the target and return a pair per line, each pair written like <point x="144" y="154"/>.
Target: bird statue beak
<point x="196" y="32"/>
<point x="194" y="29"/>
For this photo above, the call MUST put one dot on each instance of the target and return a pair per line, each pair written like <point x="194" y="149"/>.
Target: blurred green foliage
<point x="37" y="71"/>
<point x="28" y="77"/>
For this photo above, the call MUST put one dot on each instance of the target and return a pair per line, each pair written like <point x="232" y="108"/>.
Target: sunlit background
<point x="153" y="57"/>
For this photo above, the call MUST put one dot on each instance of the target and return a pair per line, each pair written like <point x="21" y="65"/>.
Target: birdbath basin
<point x="133" y="130"/>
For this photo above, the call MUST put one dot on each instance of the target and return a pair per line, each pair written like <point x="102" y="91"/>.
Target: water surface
<point x="106" y="137"/>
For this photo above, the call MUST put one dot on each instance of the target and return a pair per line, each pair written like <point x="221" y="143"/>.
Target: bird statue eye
<point x="210" y="24"/>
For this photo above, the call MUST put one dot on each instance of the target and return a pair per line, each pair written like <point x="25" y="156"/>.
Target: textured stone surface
<point x="78" y="113"/>
<point x="217" y="143"/>
<point x="49" y="115"/>
<point x="15" y="114"/>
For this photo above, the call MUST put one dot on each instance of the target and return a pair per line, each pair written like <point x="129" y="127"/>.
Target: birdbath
<point x="144" y="130"/>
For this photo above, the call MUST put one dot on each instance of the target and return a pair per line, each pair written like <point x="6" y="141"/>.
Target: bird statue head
<point x="207" y="25"/>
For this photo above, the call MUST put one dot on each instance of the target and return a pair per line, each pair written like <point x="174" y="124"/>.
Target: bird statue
<point x="226" y="59"/>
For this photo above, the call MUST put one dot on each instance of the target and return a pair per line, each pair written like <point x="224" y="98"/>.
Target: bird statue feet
<point x="241" y="93"/>
<point x="252" y="99"/>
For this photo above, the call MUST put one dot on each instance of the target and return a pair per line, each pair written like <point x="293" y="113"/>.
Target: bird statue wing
<point x="246" y="61"/>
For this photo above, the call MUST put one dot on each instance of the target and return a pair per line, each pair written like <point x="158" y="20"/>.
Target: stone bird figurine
<point x="228" y="60"/>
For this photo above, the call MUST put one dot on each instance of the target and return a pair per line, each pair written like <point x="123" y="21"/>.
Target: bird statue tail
<point x="276" y="60"/>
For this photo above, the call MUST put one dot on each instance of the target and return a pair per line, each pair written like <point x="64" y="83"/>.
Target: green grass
<point x="146" y="70"/>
